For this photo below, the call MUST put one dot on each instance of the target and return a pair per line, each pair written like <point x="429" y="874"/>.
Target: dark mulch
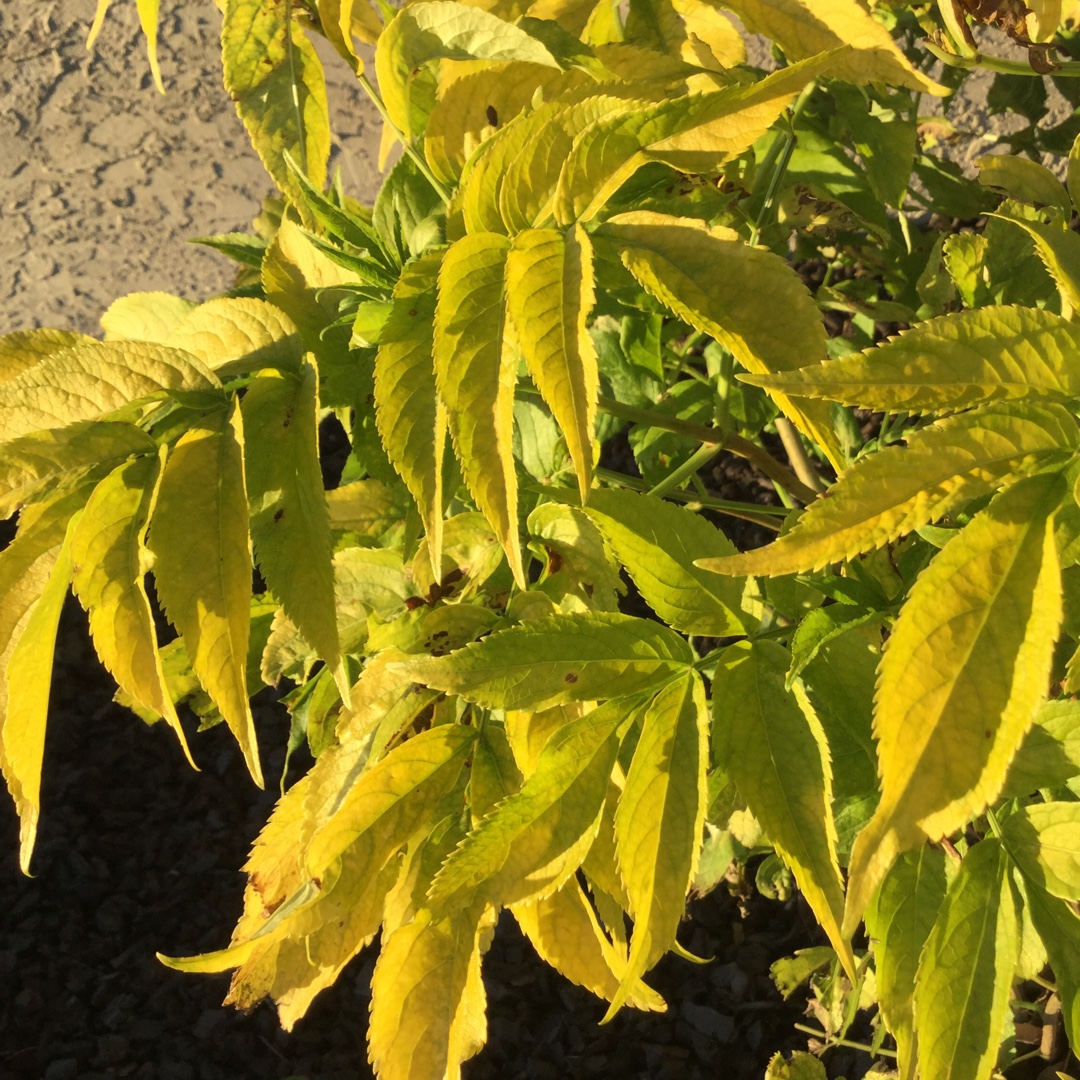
<point x="137" y="853"/>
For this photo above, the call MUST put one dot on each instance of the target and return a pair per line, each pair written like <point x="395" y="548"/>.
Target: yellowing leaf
<point x="952" y="362"/>
<point x="411" y="418"/>
<point x="462" y="116"/>
<point x="1023" y="179"/>
<point x="27" y="663"/>
<point x="966" y="969"/>
<point x="366" y="507"/>
<point x="772" y="744"/>
<point x="274" y="75"/>
<point x="550" y="292"/>
<point x="963" y="673"/>
<point x="25" y="348"/>
<point x="557" y="660"/>
<point x="199" y="537"/>
<point x="88" y="381"/>
<point x="564" y="930"/>
<point x="1044" y="841"/>
<point x="534" y="840"/>
<point x="805" y="27"/>
<point x="290" y="523"/>
<point x="730" y="291"/>
<point x="235" y="335"/>
<point x="144" y="316"/>
<point x="1050" y="753"/>
<point x="659" y="543"/>
<point x="903" y="914"/>
<point x="109" y="562"/>
<point x="659" y="821"/>
<point x="427" y="31"/>
<point x="475" y="372"/>
<point x="393" y="798"/>
<point x="427" y="998"/>
<point x="38" y="464"/>
<point x="900" y="489"/>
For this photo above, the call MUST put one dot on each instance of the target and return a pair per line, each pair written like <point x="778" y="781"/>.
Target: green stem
<point x="734" y="444"/>
<point x="844" y="1042"/>
<point x="758" y="515"/>
<point x="1069" y="69"/>
<point x="697" y="460"/>
<point x="796" y="453"/>
<point x="411" y="150"/>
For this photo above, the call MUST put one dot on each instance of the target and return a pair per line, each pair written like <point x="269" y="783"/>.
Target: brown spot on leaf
<point x="570" y="677"/>
<point x="278" y="515"/>
<point x="492" y="116"/>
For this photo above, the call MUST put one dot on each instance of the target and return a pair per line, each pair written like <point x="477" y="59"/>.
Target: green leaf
<point x="235" y="335"/>
<point x="900" y="489"/>
<point x="659" y="822"/>
<point x="290" y="523"/>
<point x="772" y="745"/>
<point x="658" y="543"/>
<point x="410" y="417"/>
<point x="392" y="799"/>
<point x="560" y="659"/>
<point x="25" y="348"/>
<point x="273" y="74"/>
<point x="1059" y="248"/>
<point x="427" y="1001"/>
<point x="550" y="291"/>
<point x="952" y="362"/>
<point x="966" y="970"/>
<point x="144" y="316"/>
<point x="1050" y="752"/>
<point x="202" y="568"/>
<point x="899" y="922"/>
<point x="475" y="371"/>
<point x="1059" y="928"/>
<point x="533" y="841"/>
<point x="446" y="30"/>
<point x="1044" y="841"/>
<point x="366" y="507"/>
<point x="89" y="381"/>
<point x="30" y="620"/>
<point x="729" y="290"/>
<point x="822" y="625"/>
<point x="963" y="673"/>
<point x="38" y="464"/>
<point x="805" y="27"/>
<point x="801" y="1066"/>
<point x="1024" y="179"/>
<point x="109" y="562"/>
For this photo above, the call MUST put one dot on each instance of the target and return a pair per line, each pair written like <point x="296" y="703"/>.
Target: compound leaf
<point x="901" y="488"/>
<point x="202" y="569"/>
<point x="774" y="748"/>
<point x="963" y="674"/>
<point x="559" y="659"/>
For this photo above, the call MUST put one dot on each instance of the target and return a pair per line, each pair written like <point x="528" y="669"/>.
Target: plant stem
<point x="411" y="150"/>
<point x="697" y="460"/>
<point x="802" y="465"/>
<point x="744" y="511"/>
<point x="844" y="1042"/>
<point x="1069" y="69"/>
<point x="734" y="444"/>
